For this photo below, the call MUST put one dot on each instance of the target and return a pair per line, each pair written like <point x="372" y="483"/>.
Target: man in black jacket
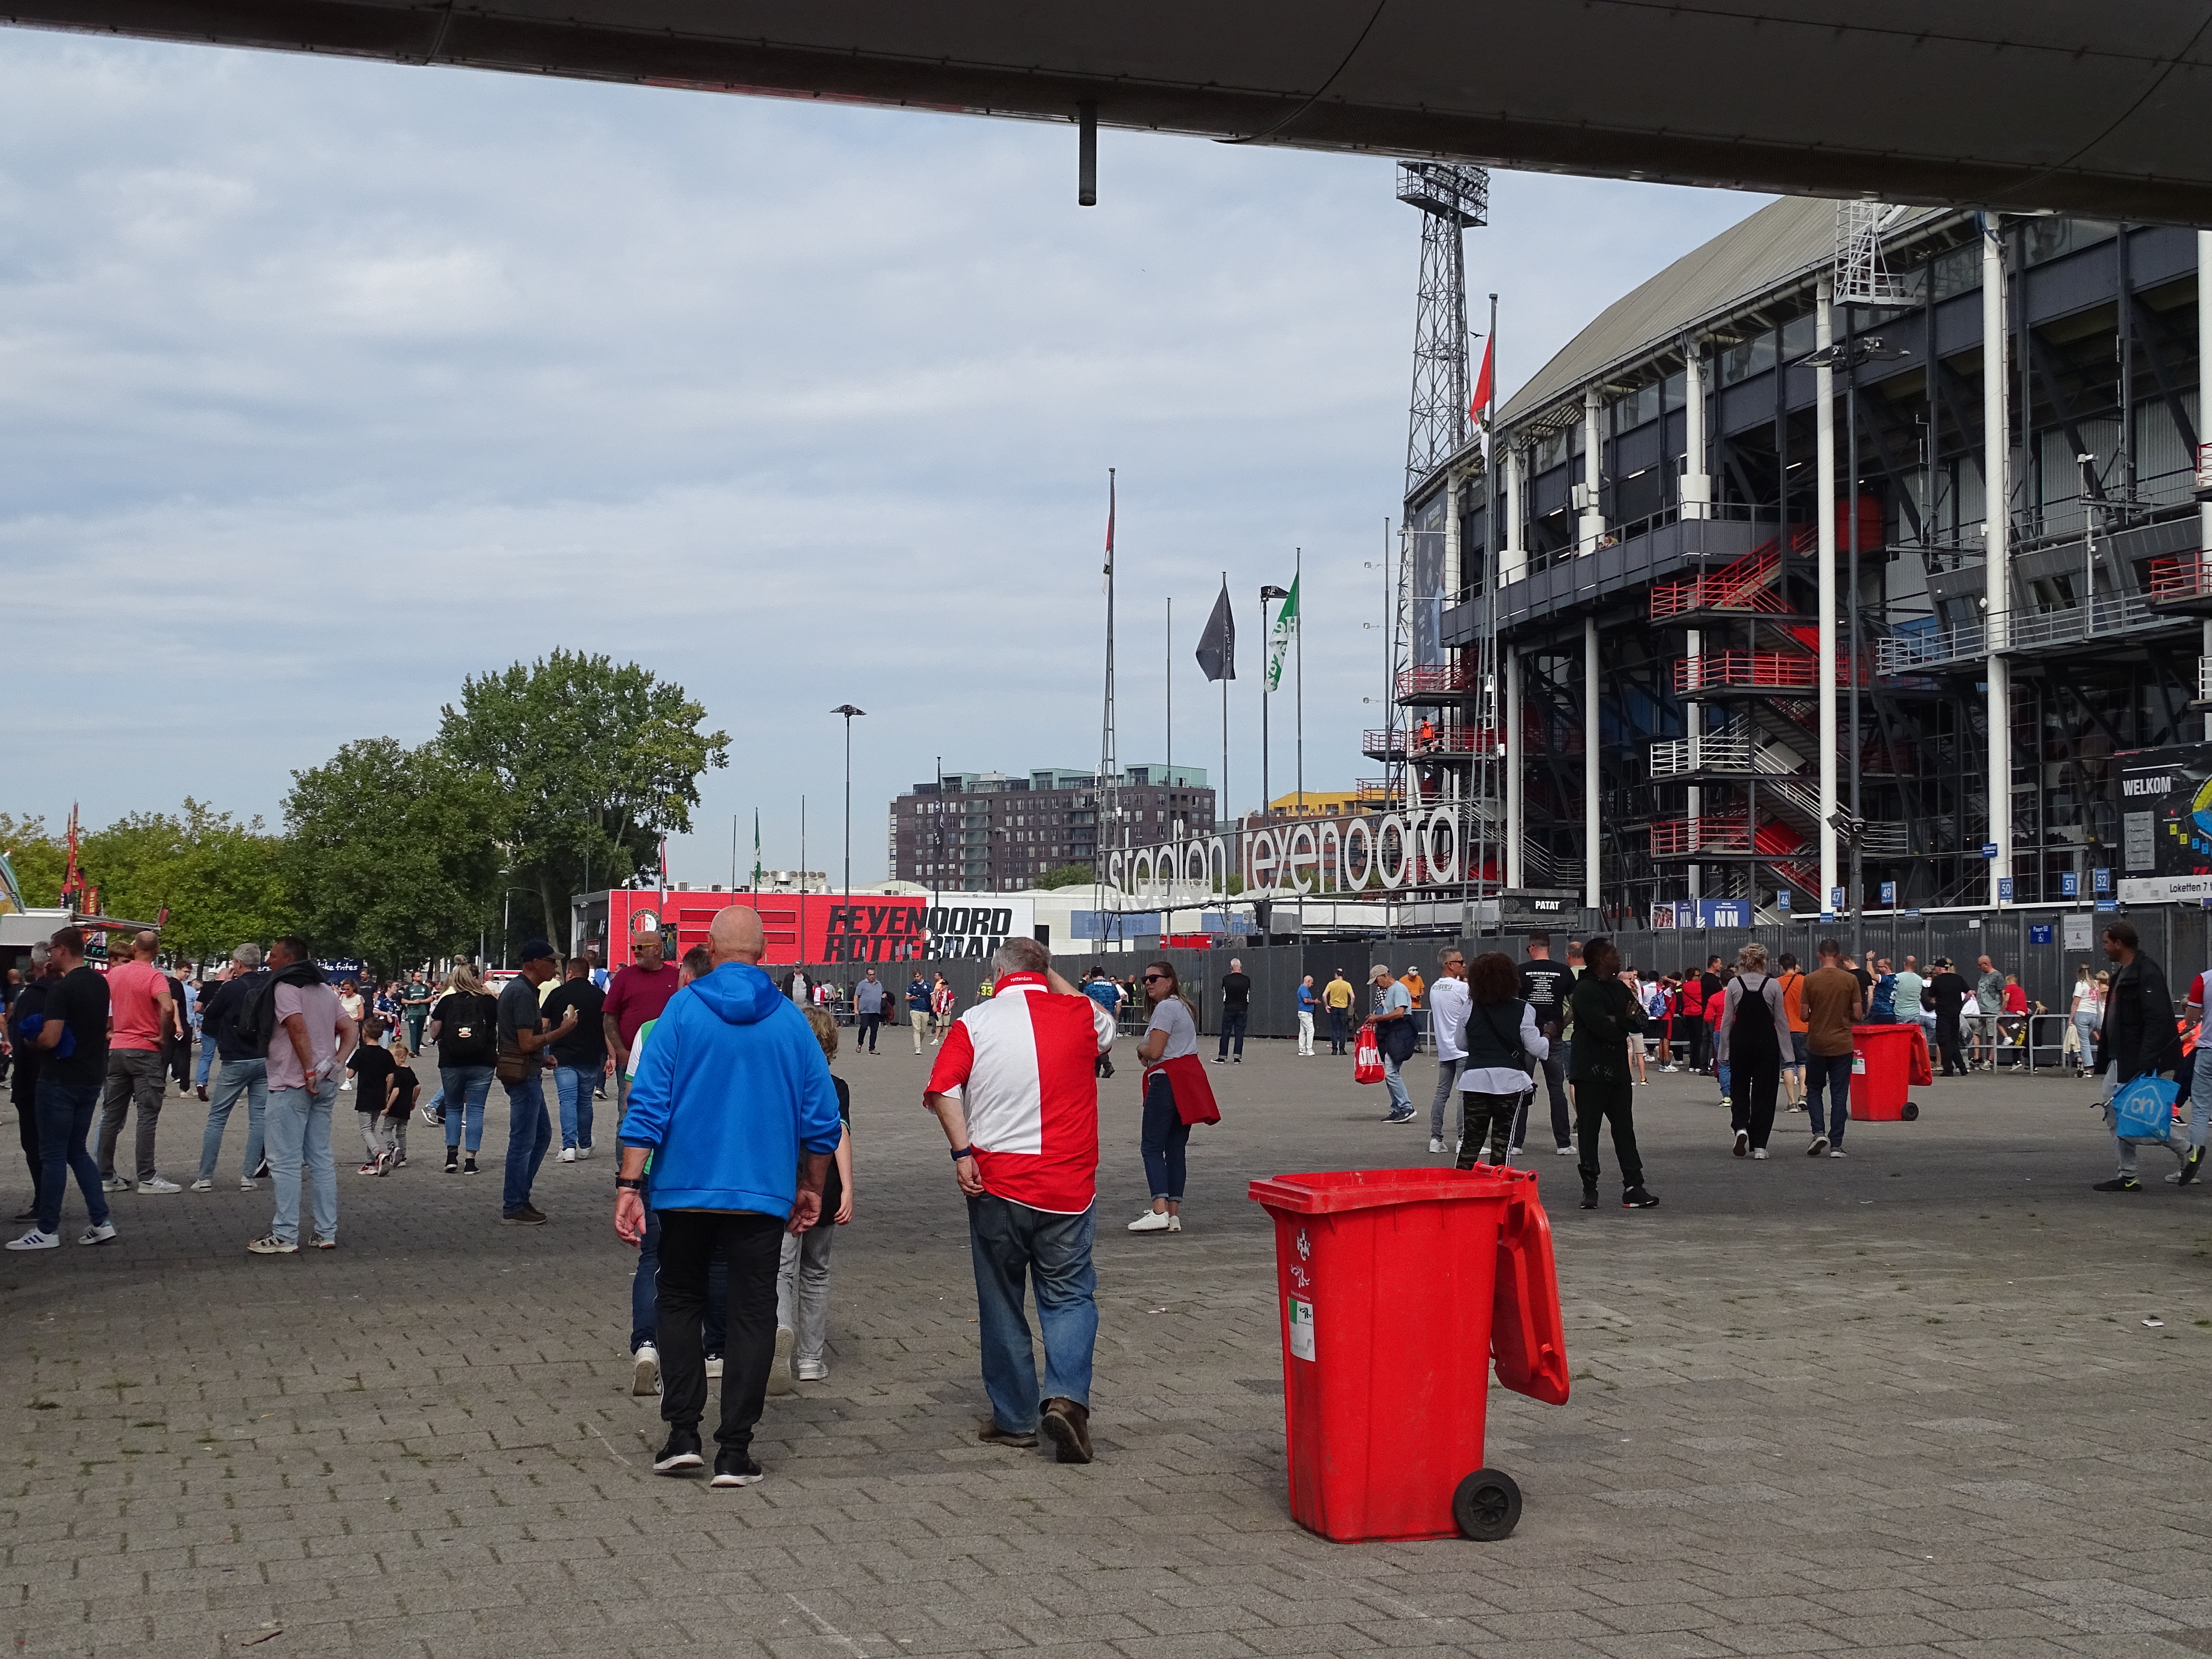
<point x="2139" y="1039"/>
<point x="1946" y="994"/>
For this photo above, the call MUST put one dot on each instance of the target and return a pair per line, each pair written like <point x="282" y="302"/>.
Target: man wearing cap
<point x="523" y="1037"/>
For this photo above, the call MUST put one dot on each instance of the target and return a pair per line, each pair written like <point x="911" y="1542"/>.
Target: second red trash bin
<point x="1396" y="1289"/>
<point x="1887" y="1060"/>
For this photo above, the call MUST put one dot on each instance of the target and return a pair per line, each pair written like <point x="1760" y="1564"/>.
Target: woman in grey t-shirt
<point x="1171" y="1034"/>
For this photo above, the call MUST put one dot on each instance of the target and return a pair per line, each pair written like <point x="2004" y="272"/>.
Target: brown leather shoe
<point x="990" y="1434"/>
<point x="1067" y="1425"/>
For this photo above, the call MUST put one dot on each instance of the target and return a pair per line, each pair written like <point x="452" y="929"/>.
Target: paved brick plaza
<point x="1901" y="1403"/>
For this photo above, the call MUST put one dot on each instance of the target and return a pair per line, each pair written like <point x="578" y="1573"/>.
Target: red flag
<point x="1481" y="385"/>
<point x="1106" y="586"/>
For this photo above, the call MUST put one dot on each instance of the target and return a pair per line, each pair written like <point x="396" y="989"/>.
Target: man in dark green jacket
<point x="1606" y="1016"/>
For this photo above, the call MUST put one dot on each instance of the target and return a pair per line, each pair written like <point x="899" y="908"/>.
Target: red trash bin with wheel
<point x="1396" y="1289"/>
<point x="1887" y="1062"/>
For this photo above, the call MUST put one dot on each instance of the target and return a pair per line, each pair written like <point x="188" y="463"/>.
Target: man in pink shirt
<point x="142" y="1015"/>
<point x="310" y="1034"/>
<point x="638" y="993"/>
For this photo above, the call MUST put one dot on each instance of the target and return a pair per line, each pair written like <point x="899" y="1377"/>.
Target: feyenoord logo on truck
<point x="912" y="930"/>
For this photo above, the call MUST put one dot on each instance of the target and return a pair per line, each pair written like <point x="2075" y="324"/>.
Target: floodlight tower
<point x="1451" y="196"/>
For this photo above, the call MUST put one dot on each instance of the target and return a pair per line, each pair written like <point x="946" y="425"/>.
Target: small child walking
<point x="802" y="1281"/>
<point x="406" y="1087"/>
<point x="373" y="1066"/>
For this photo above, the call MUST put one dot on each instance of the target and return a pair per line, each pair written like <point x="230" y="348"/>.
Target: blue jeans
<point x="572" y="1085"/>
<point x="66" y="1112"/>
<point x="298" y="1128"/>
<point x="209" y="1055"/>
<point x="529" y="1133"/>
<point x="1233" y="1021"/>
<point x="1009" y="1242"/>
<point x="464" y="1089"/>
<point x="645" y="1291"/>
<point x="249" y="1078"/>
<point x="1830" y="1073"/>
<point x="1165" y="1137"/>
<point x="1401" y="1104"/>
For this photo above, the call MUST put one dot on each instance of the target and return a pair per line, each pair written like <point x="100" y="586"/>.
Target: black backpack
<point x="1755" y="1030"/>
<point x="467" y="1035"/>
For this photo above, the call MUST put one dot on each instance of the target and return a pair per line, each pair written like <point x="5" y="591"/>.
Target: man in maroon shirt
<point x="638" y="993"/>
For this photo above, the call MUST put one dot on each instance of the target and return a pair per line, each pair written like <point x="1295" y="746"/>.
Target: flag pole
<point x="1266" y="799"/>
<point x="1224" y="741"/>
<point x="1298" y="639"/>
<point x="1167" y="918"/>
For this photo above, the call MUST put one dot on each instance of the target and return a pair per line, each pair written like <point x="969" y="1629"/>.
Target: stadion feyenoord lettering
<point x="912" y="931"/>
<point x="1393" y="851"/>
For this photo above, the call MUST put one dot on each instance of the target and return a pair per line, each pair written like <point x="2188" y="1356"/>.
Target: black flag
<point x="1217" y="646"/>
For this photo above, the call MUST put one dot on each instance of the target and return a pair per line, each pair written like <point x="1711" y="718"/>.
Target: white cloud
<point x="324" y="384"/>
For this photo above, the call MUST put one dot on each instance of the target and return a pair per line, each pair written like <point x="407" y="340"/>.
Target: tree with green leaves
<point x="1068" y="875"/>
<point x="218" y="878"/>
<point x="591" y="764"/>
<point x="392" y="854"/>
<point x="38" y="856"/>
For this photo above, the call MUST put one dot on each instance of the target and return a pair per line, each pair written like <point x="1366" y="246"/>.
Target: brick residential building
<point x="993" y="832"/>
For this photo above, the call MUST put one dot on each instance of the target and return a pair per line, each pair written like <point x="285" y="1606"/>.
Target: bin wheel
<point x="1486" y="1506"/>
<point x="1912" y="1111"/>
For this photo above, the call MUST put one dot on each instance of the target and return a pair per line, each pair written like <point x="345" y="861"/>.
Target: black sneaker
<point x="1397" y="1117"/>
<point x="735" y="1468"/>
<point x="453" y="1165"/>
<point x="2119" y="1184"/>
<point x="469" y="1166"/>
<point x="1636" y="1198"/>
<point x="681" y="1454"/>
<point x="1589" y="1198"/>
<point x="526" y="1215"/>
<point x="2193" y="1166"/>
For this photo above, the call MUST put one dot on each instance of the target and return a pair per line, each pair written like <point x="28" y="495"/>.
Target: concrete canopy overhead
<point x="2020" y="105"/>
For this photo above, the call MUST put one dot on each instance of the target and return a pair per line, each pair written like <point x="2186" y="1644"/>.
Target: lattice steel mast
<point x="1452" y="196"/>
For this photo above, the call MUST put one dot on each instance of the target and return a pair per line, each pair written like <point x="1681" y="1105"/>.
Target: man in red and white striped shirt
<point x="1015" y="1087"/>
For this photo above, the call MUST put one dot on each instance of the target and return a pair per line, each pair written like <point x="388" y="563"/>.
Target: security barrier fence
<point x="2177" y="937"/>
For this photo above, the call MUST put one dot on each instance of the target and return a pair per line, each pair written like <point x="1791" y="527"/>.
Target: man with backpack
<point x="1545" y="986"/>
<point x="245" y="1070"/>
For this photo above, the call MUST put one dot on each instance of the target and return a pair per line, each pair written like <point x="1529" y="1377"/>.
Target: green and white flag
<point x="757" y="857"/>
<point x="1279" y="637"/>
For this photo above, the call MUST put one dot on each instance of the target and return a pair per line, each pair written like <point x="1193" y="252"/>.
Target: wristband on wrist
<point x="628" y="1184"/>
<point x="959" y="1152"/>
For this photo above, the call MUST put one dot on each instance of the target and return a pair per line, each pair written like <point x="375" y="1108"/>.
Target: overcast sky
<point x="325" y="384"/>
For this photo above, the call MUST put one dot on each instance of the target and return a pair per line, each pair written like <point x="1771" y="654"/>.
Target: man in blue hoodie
<point x="733" y="1105"/>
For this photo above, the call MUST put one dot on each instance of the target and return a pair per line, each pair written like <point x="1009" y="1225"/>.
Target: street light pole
<point x="847" y="711"/>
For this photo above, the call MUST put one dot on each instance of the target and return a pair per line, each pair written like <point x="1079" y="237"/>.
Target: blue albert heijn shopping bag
<point x="2143" y="1108"/>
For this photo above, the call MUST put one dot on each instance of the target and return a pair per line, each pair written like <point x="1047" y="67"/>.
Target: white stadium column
<point x="1824" y="399"/>
<point x="1512" y="562"/>
<point x="1589" y="529"/>
<point x="1996" y="510"/>
<point x="1697" y="483"/>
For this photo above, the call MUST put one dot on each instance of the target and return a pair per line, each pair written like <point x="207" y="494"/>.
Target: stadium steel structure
<point x="1675" y="507"/>
<point x="2069" y="109"/>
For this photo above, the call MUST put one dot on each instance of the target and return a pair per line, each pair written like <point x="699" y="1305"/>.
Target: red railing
<point x="1744" y="585"/>
<point x="1723" y="833"/>
<point x="2180" y="578"/>
<point x="1771" y="671"/>
<point x="1437" y="740"/>
<point x="1432" y="677"/>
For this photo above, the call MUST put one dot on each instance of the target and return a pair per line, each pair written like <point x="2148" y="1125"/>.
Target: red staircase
<point x="1745" y="584"/>
<point x="1724" y="834"/>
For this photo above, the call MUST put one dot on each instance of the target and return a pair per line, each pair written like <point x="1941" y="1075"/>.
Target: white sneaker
<point x="35" y="1240"/>
<point x="247" y="1184"/>
<point x="583" y="1152"/>
<point x="1758" y="1153"/>
<point x="114" y="1184"/>
<point x="1835" y="1152"/>
<point x="1742" y="1142"/>
<point x="1564" y="1151"/>
<point x="1174" y="1224"/>
<point x="644" y="1369"/>
<point x="779" y="1370"/>
<point x="203" y="1185"/>
<point x="1512" y="1153"/>
<point x="812" y="1371"/>
<point x="1435" y="1144"/>
<point x="100" y="1235"/>
<point x="567" y="1154"/>
<point x="157" y="1185"/>
<point x="1820" y="1146"/>
<point x="1151" y="1221"/>
<point x="714" y="1368"/>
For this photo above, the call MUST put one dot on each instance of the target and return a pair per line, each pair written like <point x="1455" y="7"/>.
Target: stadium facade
<point x="1736" y="569"/>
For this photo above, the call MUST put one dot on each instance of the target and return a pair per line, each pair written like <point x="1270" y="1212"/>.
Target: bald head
<point x="736" y="936"/>
<point x="146" y="946"/>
